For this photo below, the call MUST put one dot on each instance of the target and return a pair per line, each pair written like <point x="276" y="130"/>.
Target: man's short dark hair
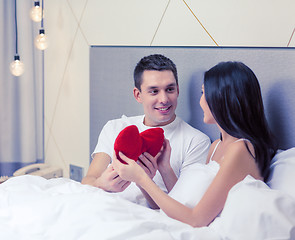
<point x="155" y="62"/>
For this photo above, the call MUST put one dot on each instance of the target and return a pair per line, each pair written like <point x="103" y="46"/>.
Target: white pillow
<point x="193" y="183"/>
<point x="254" y="211"/>
<point x="282" y="172"/>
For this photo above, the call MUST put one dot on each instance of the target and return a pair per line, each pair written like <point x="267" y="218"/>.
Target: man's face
<point x="158" y="95"/>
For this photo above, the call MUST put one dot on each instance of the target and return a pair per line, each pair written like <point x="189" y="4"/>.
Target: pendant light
<point x="41" y="41"/>
<point x="16" y="67"/>
<point x="36" y="12"/>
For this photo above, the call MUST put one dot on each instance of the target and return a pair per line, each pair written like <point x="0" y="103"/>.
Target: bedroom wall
<point x="74" y="25"/>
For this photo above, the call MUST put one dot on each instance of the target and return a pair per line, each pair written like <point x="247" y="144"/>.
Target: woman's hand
<point x="130" y="171"/>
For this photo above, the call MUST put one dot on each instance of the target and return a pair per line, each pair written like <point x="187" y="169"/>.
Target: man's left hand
<point x="149" y="163"/>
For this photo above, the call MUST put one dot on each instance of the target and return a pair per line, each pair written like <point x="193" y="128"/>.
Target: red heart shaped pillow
<point x="152" y="140"/>
<point x="132" y="144"/>
<point x="129" y="143"/>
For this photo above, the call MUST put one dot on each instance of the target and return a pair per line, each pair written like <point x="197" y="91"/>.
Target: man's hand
<point x="163" y="161"/>
<point x="165" y="168"/>
<point x="110" y="181"/>
<point x="149" y="163"/>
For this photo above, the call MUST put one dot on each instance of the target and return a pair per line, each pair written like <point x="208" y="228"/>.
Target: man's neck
<point x="158" y="124"/>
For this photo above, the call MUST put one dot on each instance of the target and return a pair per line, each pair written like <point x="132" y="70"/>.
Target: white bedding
<point x="32" y="207"/>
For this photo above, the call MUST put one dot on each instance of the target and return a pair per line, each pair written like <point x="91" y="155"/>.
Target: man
<point x="156" y="88"/>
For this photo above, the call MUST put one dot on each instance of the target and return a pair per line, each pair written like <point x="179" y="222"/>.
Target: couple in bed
<point x="231" y="99"/>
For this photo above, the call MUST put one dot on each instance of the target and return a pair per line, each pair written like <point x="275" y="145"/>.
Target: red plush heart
<point x="132" y="144"/>
<point x="152" y="140"/>
<point x="129" y="143"/>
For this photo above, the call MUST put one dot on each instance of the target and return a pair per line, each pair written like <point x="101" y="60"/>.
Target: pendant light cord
<point x="42" y="14"/>
<point x="16" y="34"/>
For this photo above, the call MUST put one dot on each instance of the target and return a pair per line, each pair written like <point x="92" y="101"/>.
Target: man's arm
<point x="98" y="165"/>
<point x="168" y="175"/>
<point x="160" y="162"/>
<point x="198" y="152"/>
<point x="169" y="179"/>
<point x="102" y="175"/>
<point x="149" y="165"/>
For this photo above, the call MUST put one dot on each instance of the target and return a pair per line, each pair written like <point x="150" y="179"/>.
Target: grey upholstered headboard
<point x="111" y="84"/>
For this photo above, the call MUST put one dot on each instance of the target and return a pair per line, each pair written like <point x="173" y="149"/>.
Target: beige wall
<point x="74" y="25"/>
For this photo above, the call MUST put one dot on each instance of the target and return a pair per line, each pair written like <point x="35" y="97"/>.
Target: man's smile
<point x="163" y="109"/>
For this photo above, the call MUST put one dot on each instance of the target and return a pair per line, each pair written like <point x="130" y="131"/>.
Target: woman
<point x="232" y="100"/>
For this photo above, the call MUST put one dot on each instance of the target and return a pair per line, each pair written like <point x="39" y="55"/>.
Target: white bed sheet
<point x="32" y="207"/>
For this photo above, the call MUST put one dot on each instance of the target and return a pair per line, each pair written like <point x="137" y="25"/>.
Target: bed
<point x="33" y="207"/>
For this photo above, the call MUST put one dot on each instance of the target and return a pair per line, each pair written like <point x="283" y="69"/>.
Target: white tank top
<point x="241" y="139"/>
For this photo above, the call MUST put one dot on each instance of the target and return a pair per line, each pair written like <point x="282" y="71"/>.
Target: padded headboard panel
<point x="111" y="84"/>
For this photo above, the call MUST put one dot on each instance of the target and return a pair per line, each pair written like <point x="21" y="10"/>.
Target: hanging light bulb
<point x="41" y="41"/>
<point x="36" y="12"/>
<point x="17" y="67"/>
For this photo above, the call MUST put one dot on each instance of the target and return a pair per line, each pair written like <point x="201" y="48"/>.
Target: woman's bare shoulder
<point x="213" y="145"/>
<point x="211" y="149"/>
<point x="240" y="148"/>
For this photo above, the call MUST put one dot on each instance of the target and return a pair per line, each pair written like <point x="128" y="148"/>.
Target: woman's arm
<point x="135" y="173"/>
<point x="236" y="165"/>
<point x="160" y="162"/>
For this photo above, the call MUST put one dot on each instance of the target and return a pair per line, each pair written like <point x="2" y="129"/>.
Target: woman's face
<point x="208" y="117"/>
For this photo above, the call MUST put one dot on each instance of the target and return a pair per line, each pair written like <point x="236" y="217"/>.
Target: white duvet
<point x="32" y="207"/>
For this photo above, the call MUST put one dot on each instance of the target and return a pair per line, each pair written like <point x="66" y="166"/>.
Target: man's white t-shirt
<point x="188" y="145"/>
